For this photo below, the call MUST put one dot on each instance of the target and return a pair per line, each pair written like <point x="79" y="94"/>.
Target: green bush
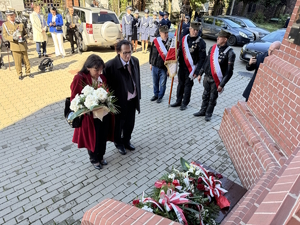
<point x="282" y="19"/>
<point x="259" y="17"/>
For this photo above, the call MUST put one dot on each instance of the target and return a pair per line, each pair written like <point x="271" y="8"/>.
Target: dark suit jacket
<point x="116" y="81"/>
<point x="260" y="59"/>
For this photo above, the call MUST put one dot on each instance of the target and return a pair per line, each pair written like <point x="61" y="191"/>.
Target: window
<point x="104" y="17"/>
<point x="209" y="20"/>
<point x="81" y="15"/>
<point x="219" y="23"/>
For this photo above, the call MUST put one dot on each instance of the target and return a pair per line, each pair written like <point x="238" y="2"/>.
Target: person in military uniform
<point x="191" y="56"/>
<point x="217" y="71"/>
<point x="127" y="24"/>
<point x="135" y="30"/>
<point x="186" y="23"/>
<point x="15" y="34"/>
<point x="153" y="26"/>
<point x="144" y="29"/>
<point x="72" y="24"/>
<point x="166" y="18"/>
<point x="157" y="57"/>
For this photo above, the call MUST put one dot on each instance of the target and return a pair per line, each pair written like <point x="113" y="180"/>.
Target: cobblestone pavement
<point x="45" y="179"/>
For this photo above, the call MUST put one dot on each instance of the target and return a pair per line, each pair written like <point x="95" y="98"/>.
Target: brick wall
<point x="110" y="212"/>
<point x="262" y="138"/>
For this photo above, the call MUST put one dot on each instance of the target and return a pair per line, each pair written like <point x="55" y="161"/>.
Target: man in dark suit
<point x="254" y="63"/>
<point x="123" y="77"/>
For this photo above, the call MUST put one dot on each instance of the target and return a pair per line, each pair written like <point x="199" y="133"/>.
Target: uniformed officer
<point x="166" y="17"/>
<point x="161" y="22"/>
<point x="186" y="22"/>
<point x="15" y="34"/>
<point x="215" y="80"/>
<point x="127" y="24"/>
<point x="144" y="29"/>
<point x="192" y="54"/>
<point x="153" y="26"/>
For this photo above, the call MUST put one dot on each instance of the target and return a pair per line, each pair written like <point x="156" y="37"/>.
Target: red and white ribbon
<point x="145" y="200"/>
<point x="201" y="168"/>
<point x="187" y="56"/>
<point x="215" y="66"/>
<point x="160" y="47"/>
<point x="214" y="187"/>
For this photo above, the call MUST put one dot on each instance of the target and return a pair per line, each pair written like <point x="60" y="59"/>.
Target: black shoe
<point x="200" y="113"/>
<point x="72" y="52"/>
<point x="40" y="56"/>
<point x="31" y="76"/>
<point x="159" y="100"/>
<point x="183" y="107"/>
<point x="176" y="104"/>
<point x="207" y="118"/>
<point x="153" y="98"/>
<point x="21" y="77"/>
<point x="46" y="55"/>
<point x="97" y="167"/>
<point x="129" y="146"/>
<point x="103" y="162"/>
<point x="121" y="149"/>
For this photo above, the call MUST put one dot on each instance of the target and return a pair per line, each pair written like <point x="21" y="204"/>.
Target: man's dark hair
<point x="93" y="61"/>
<point x="120" y="43"/>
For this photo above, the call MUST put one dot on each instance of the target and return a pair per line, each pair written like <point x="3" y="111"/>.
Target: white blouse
<point x="53" y="18"/>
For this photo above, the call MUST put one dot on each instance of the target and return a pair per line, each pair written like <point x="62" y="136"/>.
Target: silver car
<point x="99" y="27"/>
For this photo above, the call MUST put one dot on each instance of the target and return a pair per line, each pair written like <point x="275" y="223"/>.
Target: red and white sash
<point x="160" y="48"/>
<point x="215" y="66"/>
<point x="187" y="57"/>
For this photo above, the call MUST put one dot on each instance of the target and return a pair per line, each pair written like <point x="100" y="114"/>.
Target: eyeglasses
<point x="126" y="53"/>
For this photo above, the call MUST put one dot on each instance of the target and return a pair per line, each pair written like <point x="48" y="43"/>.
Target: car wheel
<point x="232" y="40"/>
<point x="82" y="46"/>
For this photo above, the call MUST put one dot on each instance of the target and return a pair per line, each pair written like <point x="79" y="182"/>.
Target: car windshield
<point x="104" y="17"/>
<point x="274" y="36"/>
<point x="230" y="23"/>
<point x="249" y="23"/>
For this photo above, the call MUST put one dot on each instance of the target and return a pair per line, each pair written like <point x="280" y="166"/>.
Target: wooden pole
<point x="171" y="90"/>
<point x="170" y="9"/>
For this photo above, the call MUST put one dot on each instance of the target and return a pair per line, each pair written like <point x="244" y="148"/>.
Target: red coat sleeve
<point x="76" y="86"/>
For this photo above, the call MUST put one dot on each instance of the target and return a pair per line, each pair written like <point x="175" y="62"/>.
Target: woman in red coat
<point x="93" y="133"/>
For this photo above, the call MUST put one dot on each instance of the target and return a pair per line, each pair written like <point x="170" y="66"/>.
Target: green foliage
<point x="269" y="3"/>
<point x="197" y="3"/>
<point x="258" y="17"/>
<point x="282" y="19"/>
<point x="184" y="164"/>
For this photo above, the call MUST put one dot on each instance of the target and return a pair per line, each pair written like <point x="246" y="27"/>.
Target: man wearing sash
<point x="192" y="54"/>
<point x="127" y="24"/>
<point x="157" y="58"/>
<point x="218" y="69"/>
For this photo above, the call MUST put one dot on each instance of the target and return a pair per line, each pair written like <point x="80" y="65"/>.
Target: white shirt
<point x="130" y="95"/>
<point x="53" y="18"/>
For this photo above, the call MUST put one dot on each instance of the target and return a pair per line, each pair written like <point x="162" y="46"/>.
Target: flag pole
<point x="178" y="33"/>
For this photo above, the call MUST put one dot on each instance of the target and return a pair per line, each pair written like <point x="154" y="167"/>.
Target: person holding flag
<point x="218" y="69"/>
<point x="191" y="54"/>
<point x="157" y="58"/>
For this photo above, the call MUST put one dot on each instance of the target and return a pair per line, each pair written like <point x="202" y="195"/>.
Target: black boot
<point x="176" y="104"/>
<point x="200" y="113"/>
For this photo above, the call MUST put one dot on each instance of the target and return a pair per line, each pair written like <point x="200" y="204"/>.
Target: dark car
<point x="261" y="46"/>
<point x="249" y="25"/>
<point x="212" y="25"/>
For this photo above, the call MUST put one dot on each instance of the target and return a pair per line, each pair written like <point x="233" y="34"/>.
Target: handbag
<point x="58" y="28"/>
<point x="76" y="123"/>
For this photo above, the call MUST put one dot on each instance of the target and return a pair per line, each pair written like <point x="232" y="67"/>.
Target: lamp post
<point x="232" y="5"/>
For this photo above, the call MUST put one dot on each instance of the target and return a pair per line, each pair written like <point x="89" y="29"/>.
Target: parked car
<point x="249" y="25"/>
<point x="212" y="25"/>
<point x="261" y="46"/>
<point x="99" y="27"/>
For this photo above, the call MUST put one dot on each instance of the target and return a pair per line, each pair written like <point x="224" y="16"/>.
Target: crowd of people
<point x="15" y="34"/>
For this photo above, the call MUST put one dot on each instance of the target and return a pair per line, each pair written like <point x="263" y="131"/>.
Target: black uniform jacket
<point x="226" y="62"/>
<point x="154" y="57"/>
<point x="116" y="80"/>
<point x="198" y="53"/>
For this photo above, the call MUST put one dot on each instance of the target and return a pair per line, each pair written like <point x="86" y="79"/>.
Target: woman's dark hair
<point x="54" y="9"/>
<point x="118" y="46"/>
<point x="93" y="61"/>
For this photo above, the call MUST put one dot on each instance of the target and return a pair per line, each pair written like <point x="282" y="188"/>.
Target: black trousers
<point x="209" y="97"/>
<point x="124" y="123"/>
<point x="73" y="33"/>
<point x="101" y="128"/>
<point x="184" y="88"/>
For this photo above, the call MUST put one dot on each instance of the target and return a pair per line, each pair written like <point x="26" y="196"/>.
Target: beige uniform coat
<point x="8" y="29"/>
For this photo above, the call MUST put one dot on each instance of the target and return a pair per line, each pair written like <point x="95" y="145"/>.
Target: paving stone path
<point x="45" y="179"/>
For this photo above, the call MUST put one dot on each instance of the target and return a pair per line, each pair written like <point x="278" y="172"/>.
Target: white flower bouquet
<point x="96" y="99"/>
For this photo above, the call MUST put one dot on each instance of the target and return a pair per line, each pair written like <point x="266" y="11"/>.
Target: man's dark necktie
<point x="129" y="81"/>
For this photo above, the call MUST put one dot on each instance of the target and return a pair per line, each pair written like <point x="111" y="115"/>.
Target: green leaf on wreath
<point x="184" y="164"/>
